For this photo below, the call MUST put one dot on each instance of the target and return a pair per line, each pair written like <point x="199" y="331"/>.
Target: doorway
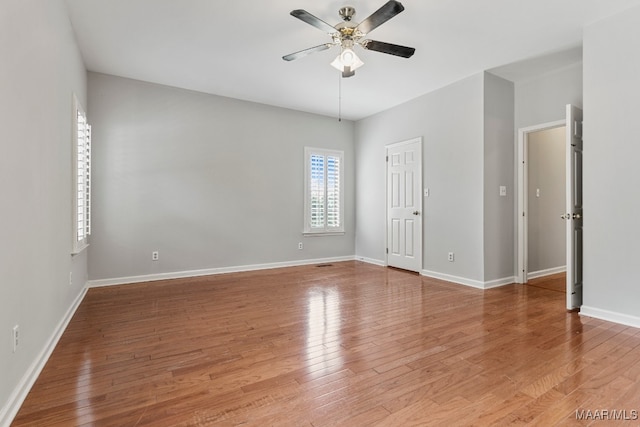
<point x="538" y="199"/>
<point x="571" y="216"/>
<point x="546" y="197"/>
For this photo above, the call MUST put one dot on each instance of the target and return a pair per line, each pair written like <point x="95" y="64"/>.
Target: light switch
<point x="503" y="190"/>
<point x="537" y="192"/>
<point x="426" y="192"/>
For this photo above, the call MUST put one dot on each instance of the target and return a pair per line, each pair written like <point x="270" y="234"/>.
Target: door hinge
<point x="387" y="250"/>
<point x="387" y="158"/>
<point x="577" y="129"/>
<point x="522" y="213"/>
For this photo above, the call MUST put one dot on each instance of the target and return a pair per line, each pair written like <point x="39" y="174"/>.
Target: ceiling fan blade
<point x="306" y="52"/>
<point x="305" y="16"/>
<point x="391" y="49"/>
<point x="380" y="16"/>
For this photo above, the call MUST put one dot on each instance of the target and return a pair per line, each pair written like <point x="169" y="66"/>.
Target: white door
<point x="574" y="213"/>
<point x="404" y="205"/>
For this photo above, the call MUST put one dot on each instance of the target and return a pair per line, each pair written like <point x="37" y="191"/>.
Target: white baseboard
<point x="610" y="316"/>
<point x="211" y="271"/>
<point x="455" y="279"/>
<point x="470" y="282"/>
<point x="19" y="394"/>
<point x="371" y="261"/>
<point x="237" y="269"/>
<point x="547" y="272"/>
<point x="500" y="282"/>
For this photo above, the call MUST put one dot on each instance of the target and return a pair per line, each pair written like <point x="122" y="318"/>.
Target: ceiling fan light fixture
<point x="347" y="58"/>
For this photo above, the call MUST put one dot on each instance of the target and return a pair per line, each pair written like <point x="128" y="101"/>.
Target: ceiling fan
<point x="347" y="34"/>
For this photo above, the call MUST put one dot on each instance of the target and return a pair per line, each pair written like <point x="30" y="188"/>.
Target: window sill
<point x="322" y="233"/>
<point x="79" y="249"/>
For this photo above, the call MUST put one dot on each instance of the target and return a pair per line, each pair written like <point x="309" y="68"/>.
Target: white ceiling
<point x="235" y="48"/>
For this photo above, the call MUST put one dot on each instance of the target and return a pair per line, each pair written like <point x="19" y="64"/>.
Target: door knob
<point x="416" y="213"/>
<point x="569" y="216"/>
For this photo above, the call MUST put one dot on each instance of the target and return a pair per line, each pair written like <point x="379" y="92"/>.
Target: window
<point x="324" y="194"/>
<point x="81" y="149"/>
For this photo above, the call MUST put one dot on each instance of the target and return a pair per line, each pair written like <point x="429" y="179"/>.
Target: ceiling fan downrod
<point x="347" y="13"/>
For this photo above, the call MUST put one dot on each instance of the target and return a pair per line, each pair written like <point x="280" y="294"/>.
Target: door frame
<point x="523" y="205"/>
<point x="420" y="199"/>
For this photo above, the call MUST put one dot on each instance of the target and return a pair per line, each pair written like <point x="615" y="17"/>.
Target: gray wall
<point x="41" y="68"/>
<point x="547" y="173"/>
<point x="543" y="99"/>
<point x="450" y="120"/>
<point x="468" y="152"/>
<point x="209" y="182"/>
<point x="611" y="153"/>
<point x="499" y="151"/>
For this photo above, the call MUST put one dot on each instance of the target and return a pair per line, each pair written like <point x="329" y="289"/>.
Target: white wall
<point x="450" y="120"/>
<point x="209" y="182"/>
<point x="611" y="172"/>
<point x="41" y="68"/>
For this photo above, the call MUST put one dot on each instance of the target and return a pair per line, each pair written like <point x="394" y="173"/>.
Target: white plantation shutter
<point x="323" y="191"/>
<point x="81" y="179"/>
<point x="333" y="192"/>
<point x="317" y="191"/>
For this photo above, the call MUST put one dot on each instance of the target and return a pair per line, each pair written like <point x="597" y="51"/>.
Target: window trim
<point x="322" y="231"/>
<point x="78" y="245"/>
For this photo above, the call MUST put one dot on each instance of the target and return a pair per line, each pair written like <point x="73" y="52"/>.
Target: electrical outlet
<point x="155" y="255"/>
<point x="300" y="245"/>
<point x="450" y="257"/>
<point x="16" y="337"/>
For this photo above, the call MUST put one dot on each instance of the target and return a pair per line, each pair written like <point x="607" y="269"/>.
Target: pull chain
<point x="339" y="98"/>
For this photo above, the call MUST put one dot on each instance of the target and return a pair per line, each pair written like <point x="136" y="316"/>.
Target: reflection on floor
<point x="554" y="282"/>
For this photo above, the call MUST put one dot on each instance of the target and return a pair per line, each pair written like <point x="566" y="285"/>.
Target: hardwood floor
<point x="347" y="344"/>
<point x="554" y="282"/>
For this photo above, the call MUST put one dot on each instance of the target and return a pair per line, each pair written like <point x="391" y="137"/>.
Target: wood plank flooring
<point x="554" y="282"/>
<point x="348" y="344"/>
